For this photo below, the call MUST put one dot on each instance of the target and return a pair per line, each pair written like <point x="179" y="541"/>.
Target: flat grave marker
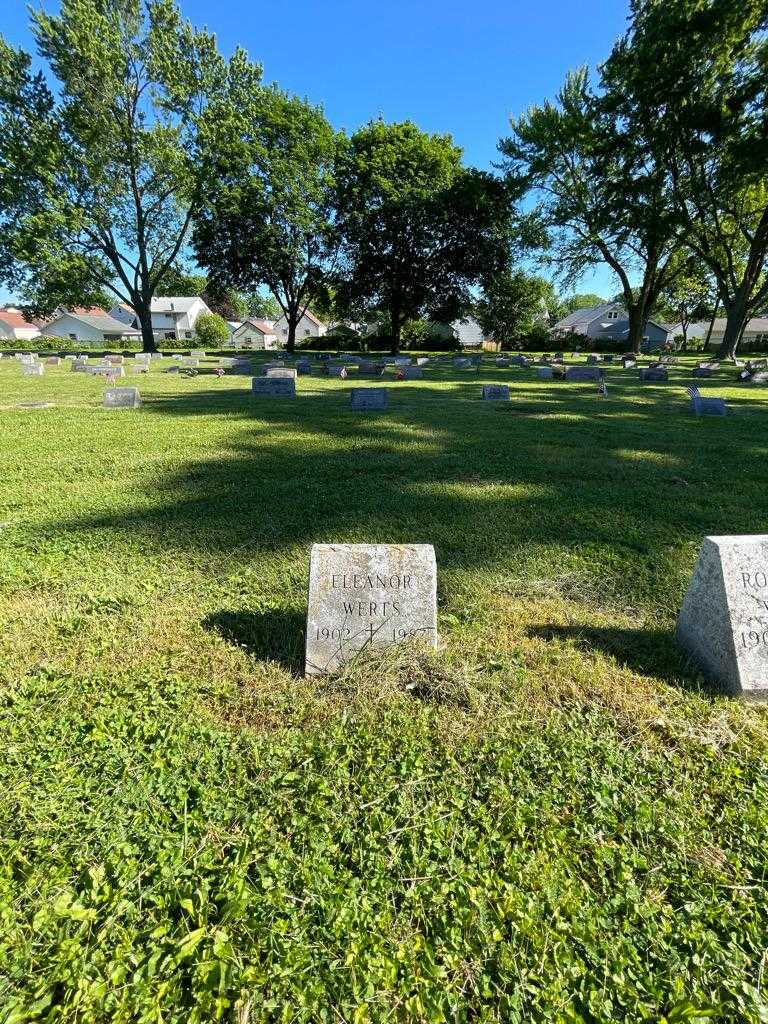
<point x="274" y="387"/>
<point x="368" y="595"/>
<point x="495" y="392"/>
<point x="369" y="399"/>
<point x="122" y="398"/>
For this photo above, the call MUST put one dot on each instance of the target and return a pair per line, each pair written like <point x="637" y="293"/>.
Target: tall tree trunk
<point x="736" y="321"/>
<point x="144" y="316"/>
<point x="636" y="315"/>
<point x="711" y="325"/>
<point x="293" y="321"/>
<point x="396" y="329"/>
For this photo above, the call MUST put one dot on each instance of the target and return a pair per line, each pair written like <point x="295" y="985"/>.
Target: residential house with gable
<point x="99" y="328"/>
<point x="607" y="322"/>
<point x="15" y="327"/>
<point x="173" y="317"/>
<point x="254" y="334"/>
<point x="309" y="326"/>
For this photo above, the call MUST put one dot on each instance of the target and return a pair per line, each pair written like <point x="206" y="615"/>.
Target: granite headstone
<point x="274" y="387"/>
<point x="495" y="392"/>
<point x="368" y="595"/>
<point x="723" y="623"/>
<point x="368" y="398"/>
<point x="122" y="398"/>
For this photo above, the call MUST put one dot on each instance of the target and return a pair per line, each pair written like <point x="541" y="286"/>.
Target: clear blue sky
<point x="451" y="67"/>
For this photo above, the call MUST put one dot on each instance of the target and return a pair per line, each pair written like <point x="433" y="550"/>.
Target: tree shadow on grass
<point x="269" y="636"/>
<point x="616" y="495"/>
<point x="650" y="652"/>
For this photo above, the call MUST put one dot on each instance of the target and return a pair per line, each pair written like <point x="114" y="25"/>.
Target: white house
<point x="467" y="332"/>
<point x="173" y="317"/>
<point x="607" y="322"/>
<point x="754" y="339"/>
<point x="254" y="334"/>
<point x="694" y="330"/>
<point x="14" y="327"/>
<point x="308" y="327"/>
<point x="93" y="327"/>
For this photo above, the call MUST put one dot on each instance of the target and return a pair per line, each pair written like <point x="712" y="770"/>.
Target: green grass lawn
<point x="552" y="819"/>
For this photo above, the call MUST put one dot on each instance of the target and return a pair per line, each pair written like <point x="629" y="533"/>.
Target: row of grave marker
<point x="376" y="595"/>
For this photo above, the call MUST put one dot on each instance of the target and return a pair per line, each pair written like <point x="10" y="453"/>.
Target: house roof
<point x="173" y="303"/>
<point x="586" y="315"/>
<point x="101" y="322"/>
<point x="311" y="316"/>
<point x="86" y="310"/>
<point x="13" y="318"/>
<point x="264" y="326"/>
<point x="622" y="326"/>
<point x="757" y="325"/>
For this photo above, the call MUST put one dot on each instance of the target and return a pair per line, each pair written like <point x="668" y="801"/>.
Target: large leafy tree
<point x="263" y="307"/>
<point x="418" y="229"/>
<point x="512" y="302"/>
<point x="694" y="75"/>
<point x="581" y="300"/>
<point x="599" y="196"/>
<point x="269" y="219"/>
<point x="103" y="172"/>
<point x="689" y="297"/>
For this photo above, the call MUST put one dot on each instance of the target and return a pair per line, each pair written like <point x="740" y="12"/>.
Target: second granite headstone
<point x="723" y="623"/>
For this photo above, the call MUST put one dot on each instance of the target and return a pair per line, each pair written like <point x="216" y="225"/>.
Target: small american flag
<point x="602" y="389"/>
<point x="693" y="391"/>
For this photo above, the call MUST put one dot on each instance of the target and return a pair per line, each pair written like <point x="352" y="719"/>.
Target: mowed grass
<point x="553" y="819"/>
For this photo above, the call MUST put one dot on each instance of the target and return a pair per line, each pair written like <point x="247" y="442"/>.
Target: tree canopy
<point x="269" y="218"/>
<point x="511" y="304"/>
<point x="599" y="197"/>
<point x="418" y="229"/>
<point x="693" y="78"/>
<point x="106" y="169"/>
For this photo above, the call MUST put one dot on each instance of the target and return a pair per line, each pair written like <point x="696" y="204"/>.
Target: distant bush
<point x="211" y="330"/>
<point x="434" y="342"/>
<point x="328" y="342"/>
